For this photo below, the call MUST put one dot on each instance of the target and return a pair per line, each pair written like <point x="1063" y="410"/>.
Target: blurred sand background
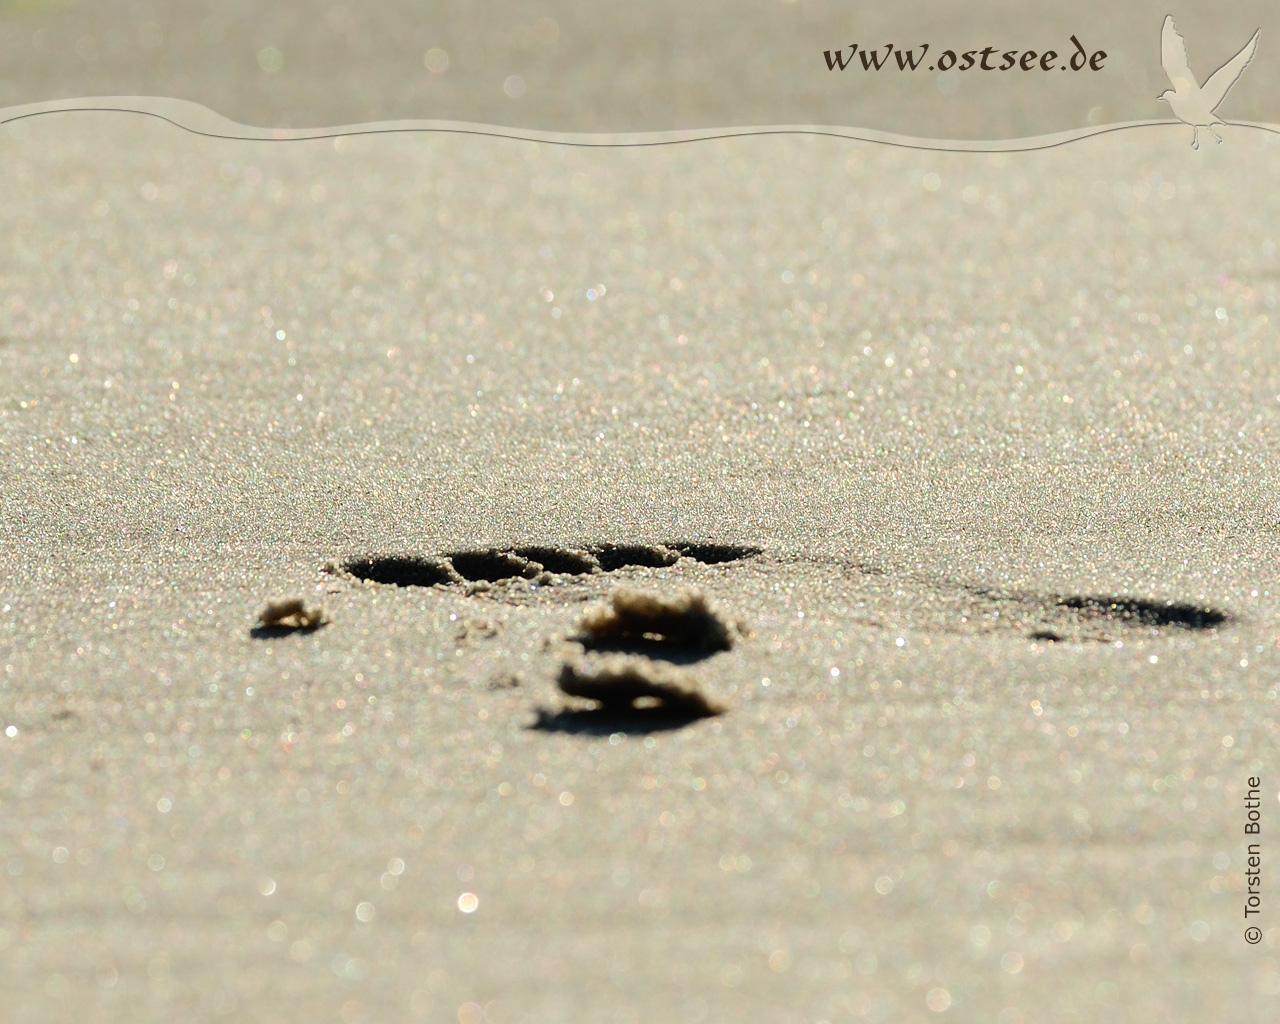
<point x="588" y="67"/>
<point x="942" y="394"/>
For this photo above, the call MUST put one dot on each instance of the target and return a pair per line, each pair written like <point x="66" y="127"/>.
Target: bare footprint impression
<point x="635" y="654"/>
<point x="634" y="658"/>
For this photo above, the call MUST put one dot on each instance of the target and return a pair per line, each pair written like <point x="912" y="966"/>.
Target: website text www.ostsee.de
<point x="989" y="58"/>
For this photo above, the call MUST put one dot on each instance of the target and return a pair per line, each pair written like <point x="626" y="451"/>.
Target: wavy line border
<point x="200" y="120"/>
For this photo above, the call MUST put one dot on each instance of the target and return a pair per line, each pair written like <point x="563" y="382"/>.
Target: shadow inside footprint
<point x="492" y="566"/>
<point x="402" y="570"/>
<point x="654" y="648"/>
<point x="1140" y="612"/>
<point x="275" y="632"/>
<point x="569" y="561"/>
<point x="1078" y="618"/>
<point x="635" y="721"/>
<point x="529" y="561"/>
<point x="715" y="554"/>
<point x="645" y="556"/>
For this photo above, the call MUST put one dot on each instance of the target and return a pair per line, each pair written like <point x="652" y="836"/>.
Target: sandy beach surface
<point x="981" y="452"/>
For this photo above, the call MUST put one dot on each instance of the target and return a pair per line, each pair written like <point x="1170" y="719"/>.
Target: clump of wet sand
<point x="685" y="620"/>
<point x="622" y="684"/>
<point x="291" y="613"/>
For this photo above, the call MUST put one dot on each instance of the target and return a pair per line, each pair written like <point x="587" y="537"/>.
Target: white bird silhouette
<point x="1191" y="103"/>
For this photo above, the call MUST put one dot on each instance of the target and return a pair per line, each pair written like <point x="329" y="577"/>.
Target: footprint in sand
<point x="875" y="596"/>
<point x="942" y="606"/>
<point x="636" y="651"/>
<point x="480" y="570"/>
<point x="640" y="687"/>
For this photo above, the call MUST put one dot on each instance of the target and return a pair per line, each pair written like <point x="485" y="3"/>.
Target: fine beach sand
<point x="934" y="403"/>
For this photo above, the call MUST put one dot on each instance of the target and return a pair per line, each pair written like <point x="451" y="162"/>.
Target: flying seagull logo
<point x="1190" y="102"/>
